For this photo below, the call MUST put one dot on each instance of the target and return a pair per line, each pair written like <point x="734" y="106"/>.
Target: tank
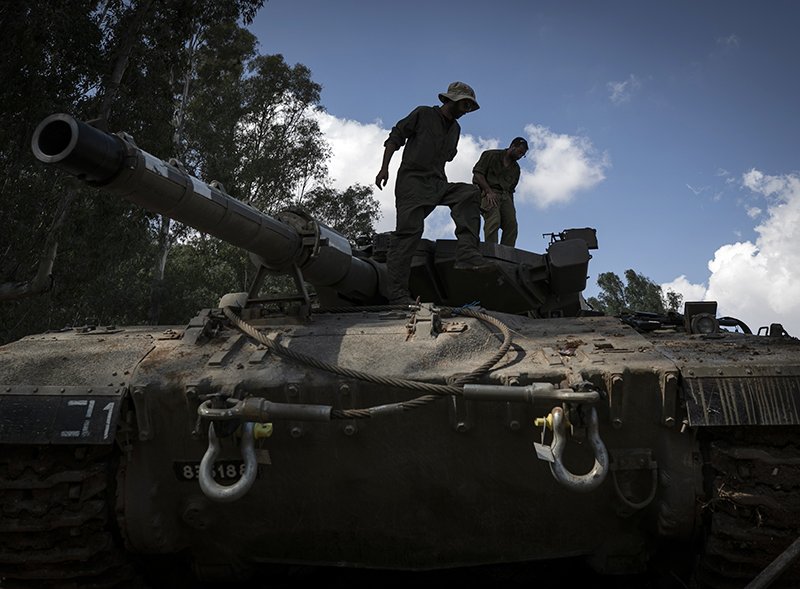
<point x="496" y="421"/>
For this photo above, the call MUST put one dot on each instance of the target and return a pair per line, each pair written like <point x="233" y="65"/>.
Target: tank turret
<point x="295" y="243"/>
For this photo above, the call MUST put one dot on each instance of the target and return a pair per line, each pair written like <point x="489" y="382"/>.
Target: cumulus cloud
<point x="356" y="154"/>
<point x="557" y="167"/>
<point x="621" y="92"/>
<point x="759" y="283"/>
<point x="682" y="286"/>
<point x="563" y="165"/>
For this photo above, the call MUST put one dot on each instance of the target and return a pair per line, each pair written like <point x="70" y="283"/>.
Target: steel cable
<point x="438" y="390"/>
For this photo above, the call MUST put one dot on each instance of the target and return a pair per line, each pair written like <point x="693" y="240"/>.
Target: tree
<point x="50" y="63"/>
<point x="148" y="95"/>
<point x="224" y="269"/>
<point x="184" y="79"/>
<point x="611" y="299"/>
<point x="642" y="294"/>
<point x="673" y="301"/>
<point x="216" y="105"/>
<point x="637" y="294"/>
<point x="92" y="59"/>
<point x="352" y="212"/>
<point x="53" y="65"/>
<point x="281" y="149"/>
<point x="209" y="26"/>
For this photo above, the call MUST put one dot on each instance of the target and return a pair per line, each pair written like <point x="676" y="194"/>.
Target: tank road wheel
<point x="57" y="527"/>
<point x="753" y="512"/>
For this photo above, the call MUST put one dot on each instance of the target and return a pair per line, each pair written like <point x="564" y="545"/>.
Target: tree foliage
<point x="280" y="146"/>
<point x="352" y="212"/>
<point x="637" y="294"/>
<point x="222" y="269"/>
<point x="184" y="78"/>
<point x="216" y="103"/>
<point x="57" y="65"/>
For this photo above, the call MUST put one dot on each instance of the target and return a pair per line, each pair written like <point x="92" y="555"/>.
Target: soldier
<point x="497" y="174"/>
<point x="430" y="135"/>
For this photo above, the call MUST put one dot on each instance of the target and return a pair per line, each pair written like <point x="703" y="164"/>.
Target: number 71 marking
<point x="87" y="418"/>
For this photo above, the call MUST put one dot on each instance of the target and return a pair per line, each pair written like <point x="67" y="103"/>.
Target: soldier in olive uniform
<point x="430" y="135"/>
<point x="497" y="174"/>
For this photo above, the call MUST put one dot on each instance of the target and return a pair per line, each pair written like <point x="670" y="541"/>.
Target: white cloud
<point x="621" y="92"/>
<point x="766" y="185"/>
<point x="564" y="165"/>
<point x="759" y="283"/>
<point x="356" y="154"/>
<point x="696" y="191"/>
<point x="682" y="286"/>
<point x="557" y="167"/>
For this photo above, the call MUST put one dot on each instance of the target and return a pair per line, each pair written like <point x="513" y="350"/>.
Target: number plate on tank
<point x="224" y="470"/>
<point x="58" y="419"/>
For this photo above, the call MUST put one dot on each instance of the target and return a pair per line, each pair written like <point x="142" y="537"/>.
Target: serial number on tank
<point x="223" y="470"/>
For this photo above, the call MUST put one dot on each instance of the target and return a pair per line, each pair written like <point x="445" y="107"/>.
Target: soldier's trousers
<point x="502" y="217"/>
<point x="415" y="199"/>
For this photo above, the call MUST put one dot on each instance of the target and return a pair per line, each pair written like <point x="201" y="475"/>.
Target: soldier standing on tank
<point x="430" y="135"/>
<point x="497" y="174"/>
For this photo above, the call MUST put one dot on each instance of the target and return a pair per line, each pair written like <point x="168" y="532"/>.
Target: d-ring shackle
<point x="592" y="479"/>
<point x="225" y="493"/>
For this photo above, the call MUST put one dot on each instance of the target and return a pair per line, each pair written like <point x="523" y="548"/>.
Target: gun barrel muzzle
<point x="78" y="148"/>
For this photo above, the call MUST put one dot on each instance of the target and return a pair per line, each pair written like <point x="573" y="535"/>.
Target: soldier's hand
<point x="491" y="199"/>
<point x="382" y="178"/>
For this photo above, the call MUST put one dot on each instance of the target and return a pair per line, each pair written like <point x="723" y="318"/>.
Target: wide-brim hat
<point x="459" y="91"/>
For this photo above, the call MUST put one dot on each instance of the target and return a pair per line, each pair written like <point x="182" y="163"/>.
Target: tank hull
<point x="452" y="483"/>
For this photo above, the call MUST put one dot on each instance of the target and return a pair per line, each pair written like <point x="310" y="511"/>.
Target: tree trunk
<point x="123" y="55"/>
<point x="157" y="292"/>
<point x="157" y="286"/>
<point x="43" y="280"/>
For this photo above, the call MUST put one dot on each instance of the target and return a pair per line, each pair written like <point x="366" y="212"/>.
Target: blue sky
<point x="671" y="127"/>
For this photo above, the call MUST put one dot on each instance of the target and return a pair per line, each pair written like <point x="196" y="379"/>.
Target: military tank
<point x="495" y="421"/>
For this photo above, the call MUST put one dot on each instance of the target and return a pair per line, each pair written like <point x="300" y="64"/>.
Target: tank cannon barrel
<point x="113" y="163"/>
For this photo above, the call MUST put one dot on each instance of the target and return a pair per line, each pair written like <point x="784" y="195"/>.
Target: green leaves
<point x="352" y="212"/>
<point x="637" y="294"/>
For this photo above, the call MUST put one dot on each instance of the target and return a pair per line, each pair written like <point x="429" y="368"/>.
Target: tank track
<point x="57" y="527"/>
<point x="753" y="515"/>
